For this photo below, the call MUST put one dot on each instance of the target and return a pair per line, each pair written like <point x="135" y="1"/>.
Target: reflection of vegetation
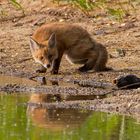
<point x="15" y="125"/>
<point x="100" y="126"/>
<point x="13" y="122"/>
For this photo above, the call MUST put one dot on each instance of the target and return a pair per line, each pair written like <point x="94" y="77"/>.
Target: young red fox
<point x="51" y="41"/>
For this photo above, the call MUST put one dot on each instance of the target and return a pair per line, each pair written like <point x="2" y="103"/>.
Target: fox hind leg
<point x="89" y="65"/>
<point x="101" y="63"/>
<point x="102" y="59"/>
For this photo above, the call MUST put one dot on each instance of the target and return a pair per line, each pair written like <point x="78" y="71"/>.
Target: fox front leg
<point x="55" y="66"/>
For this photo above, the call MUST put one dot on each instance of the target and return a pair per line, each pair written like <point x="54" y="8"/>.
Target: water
<point x="21" y="122"/>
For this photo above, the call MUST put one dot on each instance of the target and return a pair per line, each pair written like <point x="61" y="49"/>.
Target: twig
<point x="25" y="59"/>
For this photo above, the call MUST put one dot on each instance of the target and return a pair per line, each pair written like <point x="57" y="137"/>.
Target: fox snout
<point x="47" y="65"/>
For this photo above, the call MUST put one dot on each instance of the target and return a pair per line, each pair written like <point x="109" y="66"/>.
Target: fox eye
<point x="41" y="58"/>
<point x="50" y="56"/>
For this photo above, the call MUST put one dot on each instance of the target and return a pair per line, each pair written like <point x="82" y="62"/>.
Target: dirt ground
<point x="122" y="40"/>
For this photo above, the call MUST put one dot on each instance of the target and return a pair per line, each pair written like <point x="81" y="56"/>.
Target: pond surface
<point x="19" y="121"/>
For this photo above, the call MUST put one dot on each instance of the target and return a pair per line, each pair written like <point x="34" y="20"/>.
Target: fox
<point x="53" y="40"/>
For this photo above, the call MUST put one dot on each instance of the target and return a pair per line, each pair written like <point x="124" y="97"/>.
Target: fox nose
<point x="48" y="65"/>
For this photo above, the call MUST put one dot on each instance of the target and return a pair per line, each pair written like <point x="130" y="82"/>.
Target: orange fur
<point x="51" y="41"/>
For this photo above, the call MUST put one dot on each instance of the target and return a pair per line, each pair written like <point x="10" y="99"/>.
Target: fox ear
<point x="33" y="44"/>
<point x="52" y="40"/>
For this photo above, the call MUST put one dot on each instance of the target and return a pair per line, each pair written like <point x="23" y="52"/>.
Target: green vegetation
<point x="116" y="13"/>
<point x="116" y="9"/>
<point x="17" y="5"/>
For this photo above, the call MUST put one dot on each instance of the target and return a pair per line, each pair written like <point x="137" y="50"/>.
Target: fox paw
<point x="82" y="69"/>
<point x="54" y="72"/>
<point x="103" y="69"/>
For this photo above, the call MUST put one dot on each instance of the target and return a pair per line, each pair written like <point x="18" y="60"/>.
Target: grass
<point x="17" y="5"/>
<point x="116" y="9"/>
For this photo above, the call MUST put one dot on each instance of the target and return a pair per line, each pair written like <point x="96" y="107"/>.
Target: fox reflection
<point x="56" y="119"/>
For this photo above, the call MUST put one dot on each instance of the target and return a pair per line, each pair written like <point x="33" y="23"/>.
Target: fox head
<point x="46" y="52"/>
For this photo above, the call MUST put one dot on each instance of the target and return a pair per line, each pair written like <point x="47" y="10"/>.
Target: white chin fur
<point x="45" y="66"/>
<point x="37" y="61"/>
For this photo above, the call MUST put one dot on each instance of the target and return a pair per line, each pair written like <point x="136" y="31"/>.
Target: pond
<point x="19" y="121"/>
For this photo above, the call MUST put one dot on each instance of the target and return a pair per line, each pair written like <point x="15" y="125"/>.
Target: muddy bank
<point x="67" y="93"/>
